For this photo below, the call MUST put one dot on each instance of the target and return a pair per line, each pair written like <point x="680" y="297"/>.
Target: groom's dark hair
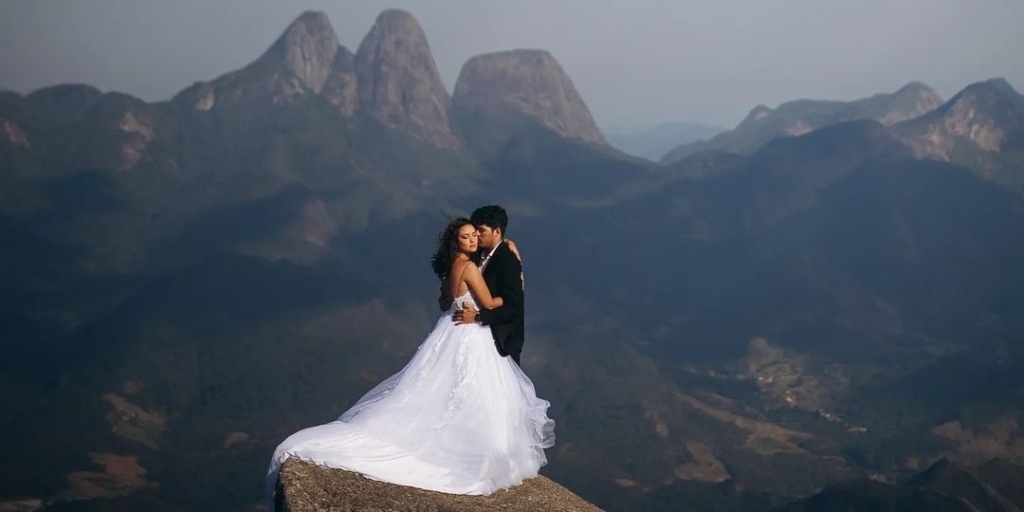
<point x="492" y="216"/>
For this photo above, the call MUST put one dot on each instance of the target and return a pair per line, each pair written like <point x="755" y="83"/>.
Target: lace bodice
<point x="465" y="298"/>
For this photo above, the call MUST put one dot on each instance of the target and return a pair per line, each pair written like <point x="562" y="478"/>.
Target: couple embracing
<point x="461" y="417"/>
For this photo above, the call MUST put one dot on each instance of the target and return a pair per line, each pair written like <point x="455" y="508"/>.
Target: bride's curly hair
<point x="448" y="248"/>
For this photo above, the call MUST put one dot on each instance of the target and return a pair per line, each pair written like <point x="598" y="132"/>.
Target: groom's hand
<point x="466" y="315"/>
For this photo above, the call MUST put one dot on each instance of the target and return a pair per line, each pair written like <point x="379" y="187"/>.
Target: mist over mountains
<point x="829" y="291"/>
<point x="652" y="143"/>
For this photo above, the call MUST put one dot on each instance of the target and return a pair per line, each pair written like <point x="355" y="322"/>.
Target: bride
<point x="459" y="418"/>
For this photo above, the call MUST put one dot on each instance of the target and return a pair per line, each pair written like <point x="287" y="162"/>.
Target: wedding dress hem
<point x="458" y="419"/>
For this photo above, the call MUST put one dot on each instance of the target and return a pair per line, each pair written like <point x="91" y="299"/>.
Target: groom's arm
<point x="444" y="299"/>
<point x="510" y="289"/>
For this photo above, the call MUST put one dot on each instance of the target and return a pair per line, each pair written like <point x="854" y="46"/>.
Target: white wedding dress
<point x="459" y="418"/>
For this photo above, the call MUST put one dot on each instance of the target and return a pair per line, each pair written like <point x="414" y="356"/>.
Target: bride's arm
<point x="515" y="250"/>
<point x="475" y="281"/>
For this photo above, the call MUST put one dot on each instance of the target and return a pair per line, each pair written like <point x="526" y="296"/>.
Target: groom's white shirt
<point x="484" y="264"/>
<point x="488" y="258"/>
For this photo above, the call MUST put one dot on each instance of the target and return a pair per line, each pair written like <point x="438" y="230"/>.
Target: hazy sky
<point x="635" y="62"/>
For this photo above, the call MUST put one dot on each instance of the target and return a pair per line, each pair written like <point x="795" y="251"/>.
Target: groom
<point x="503" y="275"/>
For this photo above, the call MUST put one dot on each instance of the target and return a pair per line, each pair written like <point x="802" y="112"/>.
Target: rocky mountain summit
<point x="530" y="83"/>
<point x="307" y="49"/>
<point x="986" y="115"/>
<point x="305" y="487"/>
<point x="393" y="77"/>
<point x="981" y="127"/>
<point x="399" y="81"/>
<point x="306" y="59"/>
<point x="799" y="117"/>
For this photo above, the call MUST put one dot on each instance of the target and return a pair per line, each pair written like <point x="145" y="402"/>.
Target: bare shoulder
<point x="458" y="267"/>
<point x="464" y="268"/>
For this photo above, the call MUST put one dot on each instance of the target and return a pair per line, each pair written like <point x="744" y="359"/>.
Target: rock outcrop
<point x="304" y="487"/>
<point x="529" y="82"/>
<point x="136" y="134"/>
<point x="13" y="134"/>
<point x="342" y="86"/>
<point x="398" y="80"/>
<point x="984" y="116"/>
<point x="119" y="133"/>
<point x="307" y="49"/>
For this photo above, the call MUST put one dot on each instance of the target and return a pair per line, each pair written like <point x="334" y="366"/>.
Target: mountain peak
<point x="995" y="101"/>
<point x="393" y="19"/>
<point x="307" y="48"/>
<point x="915" y="87"/>
<point x="63" y="104"/>
<point x="756" y="114"/>
<point x="994" y="90"/>
<point x="306" y="59"/>
<point x="316" y="21"/>
<point x="919" y="97"/>
<point x="1001" y="83"/>
<point x="529" y="82"/>
<point x="398" y="79"/>
<point x="984" y="116"/>
<point x="910" y="101"/>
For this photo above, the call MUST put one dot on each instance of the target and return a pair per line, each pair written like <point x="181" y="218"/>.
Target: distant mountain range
<point x="652" y="143"/>
<point x="795" y="118"/>
<point x="185" y="283"/>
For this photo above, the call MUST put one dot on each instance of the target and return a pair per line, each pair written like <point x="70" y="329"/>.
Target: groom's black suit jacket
<point x="503" y="275"/>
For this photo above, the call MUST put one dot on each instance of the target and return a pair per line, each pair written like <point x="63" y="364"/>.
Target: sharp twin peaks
<point x="393" y="77"/>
